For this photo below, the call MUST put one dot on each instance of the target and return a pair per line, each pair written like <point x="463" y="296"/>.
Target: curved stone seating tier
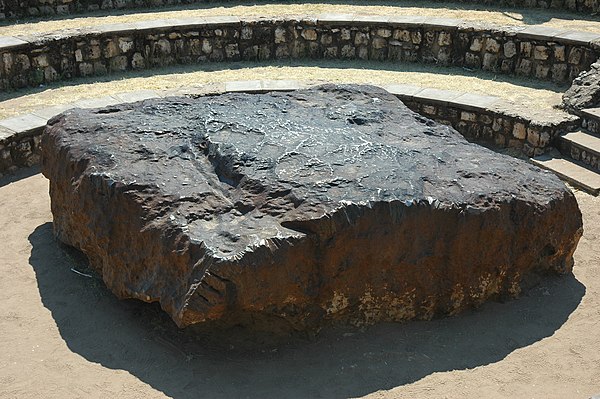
<point x="480" y="118"/>
<point x="34" y="8"/>
<point x="536" y="52"/>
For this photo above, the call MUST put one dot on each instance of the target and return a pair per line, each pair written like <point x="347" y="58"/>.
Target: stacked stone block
<point x="19" y="153"/>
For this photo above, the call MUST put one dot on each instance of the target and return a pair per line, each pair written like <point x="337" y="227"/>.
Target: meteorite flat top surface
<point x="239" y="166"/>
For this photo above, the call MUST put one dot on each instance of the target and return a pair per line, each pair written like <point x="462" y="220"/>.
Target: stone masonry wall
<point x="19" y="153"/>
<point x="31" y="61"/>
<point x="36" y="8"/>
<point x="496" y="129"/>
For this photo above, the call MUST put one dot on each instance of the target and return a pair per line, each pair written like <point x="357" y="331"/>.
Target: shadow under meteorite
<point x="140" y="339"/>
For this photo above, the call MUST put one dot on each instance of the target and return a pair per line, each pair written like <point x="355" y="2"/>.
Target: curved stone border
<point x="536" y="52"/>
<point x="35" y="8"/>
<point x="485" y="119"/>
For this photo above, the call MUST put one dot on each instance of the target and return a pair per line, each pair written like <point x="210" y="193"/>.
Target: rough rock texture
<point x="321" y="205"/>
<point x="584" y="92"/>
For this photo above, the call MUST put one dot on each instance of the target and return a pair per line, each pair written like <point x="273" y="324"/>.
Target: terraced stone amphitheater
<point x="519" y="77"/>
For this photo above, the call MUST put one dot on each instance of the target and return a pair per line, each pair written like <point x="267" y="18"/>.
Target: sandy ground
<point x="503" y="16"/>
<point x="65" y="336"/>
<point x="529" y="93"/>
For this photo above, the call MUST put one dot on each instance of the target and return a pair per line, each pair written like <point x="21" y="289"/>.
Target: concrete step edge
<point x="584" y="140"/>
<point x="570" y="171"/>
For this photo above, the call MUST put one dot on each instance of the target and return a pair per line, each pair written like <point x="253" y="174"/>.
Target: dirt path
<point x="529" y="93"/>
<point x="64" y="336"/>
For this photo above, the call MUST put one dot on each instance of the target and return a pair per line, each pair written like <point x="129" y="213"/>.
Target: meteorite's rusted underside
<point x="328" y="204"/>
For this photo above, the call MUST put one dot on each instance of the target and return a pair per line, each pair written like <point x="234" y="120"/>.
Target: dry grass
<point x="537" y="95"/>
<point x="553" y="18"/>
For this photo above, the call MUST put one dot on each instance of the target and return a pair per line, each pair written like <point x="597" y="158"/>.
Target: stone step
<point x="571" y="172"/>
<point x="591" y="120"/>
<point x="583" y="147"/>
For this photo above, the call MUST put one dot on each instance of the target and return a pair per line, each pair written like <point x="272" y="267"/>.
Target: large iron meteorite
<point x="335" y="203"/>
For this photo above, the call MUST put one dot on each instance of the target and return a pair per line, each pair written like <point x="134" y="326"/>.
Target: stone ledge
<point x="10" y="42"/>
<point x="444" y="23"/>
<point x="475" y="102"/>
<point x="261" y="86"/>
<point x="99" y="102"/>
<point x="335" y="19"/>
<point x="6" y="134"/>
<point x="570" y="171"/>
<point x="24" y="125"/>
<point x="138" y="95"/>
<point x="369" y="19"/>
<point x="578" y="37"/>
<point x="403" y="91"/>
<point x="478" y="117"/>
<point x="166" y="24"/>
<point x="583" y="147"/>
<point x="114" y="29"/>
<point x="539" y="33"/>
<point x="49" y="112"/>
<point x="592" y="113"/>
<point x="437" y="96"/>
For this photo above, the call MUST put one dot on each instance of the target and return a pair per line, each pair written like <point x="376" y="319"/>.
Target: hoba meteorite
<point x="331" y="204"/>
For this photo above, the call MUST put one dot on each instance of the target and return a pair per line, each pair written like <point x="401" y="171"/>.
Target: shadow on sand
<point x="140" y="339"/>
<point x="21" y="173"/>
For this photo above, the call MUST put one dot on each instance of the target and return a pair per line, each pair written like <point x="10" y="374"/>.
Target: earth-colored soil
<point x="65" y="336"/>
<point x="465" y="11"/>
<point x="531" y="94"/>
